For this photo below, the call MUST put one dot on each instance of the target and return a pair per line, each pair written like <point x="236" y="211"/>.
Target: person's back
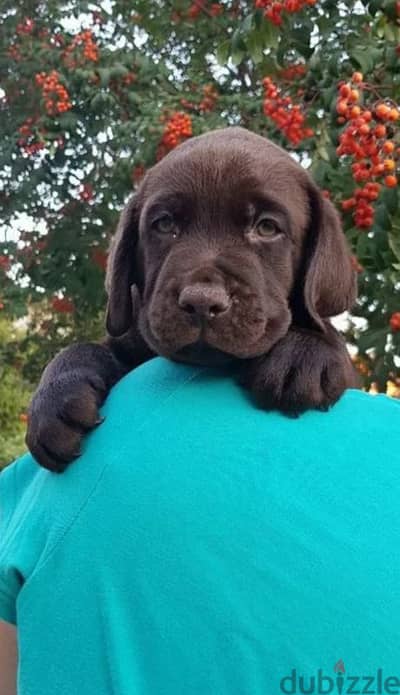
<point x="203" y="546"/>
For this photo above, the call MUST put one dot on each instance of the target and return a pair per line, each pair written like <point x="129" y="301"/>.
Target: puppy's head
<point x="226" y="242"/>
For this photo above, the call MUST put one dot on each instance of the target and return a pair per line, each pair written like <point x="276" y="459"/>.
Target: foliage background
<point x="93" y="93"/>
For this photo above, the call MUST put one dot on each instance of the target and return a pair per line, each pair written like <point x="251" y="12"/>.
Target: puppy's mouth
<point x="188" y="327"/>
<point x="203" y="354"/>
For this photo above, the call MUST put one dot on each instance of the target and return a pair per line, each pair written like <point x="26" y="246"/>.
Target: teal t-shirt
<point x="203" y="547"/>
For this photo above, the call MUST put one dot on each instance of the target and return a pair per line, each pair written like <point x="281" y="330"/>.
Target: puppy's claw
<point x="99" y="420"/>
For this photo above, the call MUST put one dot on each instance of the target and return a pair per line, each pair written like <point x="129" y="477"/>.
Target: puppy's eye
<point x="165" y="225"/>
<point x="267" y="228"/>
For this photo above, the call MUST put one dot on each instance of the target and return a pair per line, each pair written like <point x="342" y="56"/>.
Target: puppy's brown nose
<point x="204" y="300"/>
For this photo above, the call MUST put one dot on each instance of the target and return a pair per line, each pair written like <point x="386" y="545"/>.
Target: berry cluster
<point x="214" y="9"/>
<point x="90" y="49"/>
<point x="54" y="93"/>
<point x="62" y="305"/>
<point x="28" y="142"/>
<point x="274" y="9"/>
<point x="368" y="140"/>
<point x="292" y="72"/>
<point x="289" y="117"/>
<point x="207" y="103"/>
<point x="25" y="27"/>
<point x="178" y="127"/>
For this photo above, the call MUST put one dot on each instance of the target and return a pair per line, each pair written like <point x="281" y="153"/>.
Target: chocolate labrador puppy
<point x="227" y="255"/>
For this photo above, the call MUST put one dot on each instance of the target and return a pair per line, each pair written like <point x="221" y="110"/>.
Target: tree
<point x="95" y="93"/>
<point x="14" y="392"/>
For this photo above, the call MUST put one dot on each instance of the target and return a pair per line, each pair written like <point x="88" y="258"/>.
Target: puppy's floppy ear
<point x="120" y="274"/>
<point x="328" y="280"/>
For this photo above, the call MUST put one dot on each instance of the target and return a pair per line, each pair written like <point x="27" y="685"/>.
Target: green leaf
<point x="394" y="243"/>
<point x="223" y="51"/>
<point x="247" y="24"/>
<point x="389" y="8"/>
<point x="374" y="6"/>
<point x="300" y="39"/>
<point x="238" y="48"/>
<point x="390" y="34"/>
<point x="372" y="339"/>
<point x="258" y="18"/>
<point x="389" y="197"/>
<point x="270" y="35"/>
<point x="118" y="70"/>
<point x="381" y="218"/>
<point x="392" y="58"/>
<point x="319" y="169"/>
<point x="363" y="59"/>
<point x="255" y="47"/>
<point x="105" y="75"/>
<point x="328" y="96"/>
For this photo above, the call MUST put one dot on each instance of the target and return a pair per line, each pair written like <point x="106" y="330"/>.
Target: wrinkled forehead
<point x="222" y="180"/>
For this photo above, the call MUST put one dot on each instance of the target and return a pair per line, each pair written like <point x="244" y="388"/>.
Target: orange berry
<point x="389" y="164"/>
<point x="348" y="204"/>
<point x="354" y="95"/>
<point x="383" y="111"/>
<point x="345" y="90"/>
<point x="391" y="181"/>
<point x="364" y="129"/>
<point x="357" y="77"/>
<point x="380" y="131"/>
<point x="355" y="112"/>
<point x="341" y="107"/>
<point x="388" y="146"/>
<point x="394" y="115"/>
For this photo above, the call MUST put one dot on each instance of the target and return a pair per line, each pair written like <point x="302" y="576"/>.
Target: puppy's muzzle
<point x="204" y="300"/>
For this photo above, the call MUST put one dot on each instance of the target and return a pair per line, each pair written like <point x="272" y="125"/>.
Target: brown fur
<point x="212" y="290"/>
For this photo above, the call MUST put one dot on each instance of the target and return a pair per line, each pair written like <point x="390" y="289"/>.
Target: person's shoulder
<point x="156" y="378"/>
<point x="157" y="385"/>
<point x="358" y="422"/>
<point x="27" y="489"/>
<point x="362" y="404"/>
<point x="148" y="391"/>
<point x="15" y="480"/>
<point x="22" y="517"/>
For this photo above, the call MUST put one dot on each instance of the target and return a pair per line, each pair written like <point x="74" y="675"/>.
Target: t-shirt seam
<point x="75" y="518"/>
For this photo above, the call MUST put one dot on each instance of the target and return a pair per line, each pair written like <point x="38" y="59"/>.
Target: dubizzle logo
<point x="339" y="667"/>
<point x="341" y="684"/>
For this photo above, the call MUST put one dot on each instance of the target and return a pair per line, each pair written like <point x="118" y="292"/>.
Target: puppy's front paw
<point x="61" y="412"/>
<point x="304" y="370"/>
